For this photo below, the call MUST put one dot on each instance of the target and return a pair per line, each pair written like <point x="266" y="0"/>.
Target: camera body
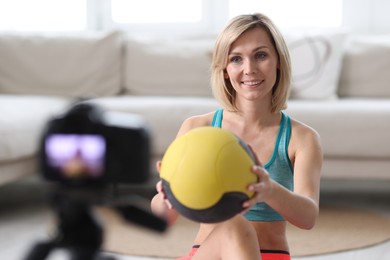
<point x="88" y="146"/>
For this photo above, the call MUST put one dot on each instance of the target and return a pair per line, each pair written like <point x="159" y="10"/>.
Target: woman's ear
<point x="225" y="74"/>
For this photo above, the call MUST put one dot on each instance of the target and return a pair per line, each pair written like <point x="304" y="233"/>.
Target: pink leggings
<point x="265" y="254"/>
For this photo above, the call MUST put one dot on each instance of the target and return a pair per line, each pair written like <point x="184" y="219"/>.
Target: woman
<point x="251" y="77"/>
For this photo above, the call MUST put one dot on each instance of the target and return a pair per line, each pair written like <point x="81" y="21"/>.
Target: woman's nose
<point x="249" y="67"/>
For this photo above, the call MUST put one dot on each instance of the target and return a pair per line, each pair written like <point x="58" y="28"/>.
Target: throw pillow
<point x="366" y="67"/>
<point x="316" y="59"/>
<point x="168" y="67"/>
<point x="64" y="64"/>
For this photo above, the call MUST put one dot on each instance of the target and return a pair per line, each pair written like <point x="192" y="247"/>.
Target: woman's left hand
<point x="262" y="189"/>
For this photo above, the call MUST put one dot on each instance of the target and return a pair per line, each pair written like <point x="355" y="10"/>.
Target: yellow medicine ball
<point x="205" y="174"/>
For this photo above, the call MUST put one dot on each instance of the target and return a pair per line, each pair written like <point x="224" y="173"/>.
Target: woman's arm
<point x="301" y="206"/>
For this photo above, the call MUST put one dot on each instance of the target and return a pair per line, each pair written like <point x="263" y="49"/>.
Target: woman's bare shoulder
<point x="302" y="134"/>
<point x="196" y="121"/>
<point x="302" y="127"/>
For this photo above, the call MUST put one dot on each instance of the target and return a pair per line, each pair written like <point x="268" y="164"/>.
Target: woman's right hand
<point x="162" y="195"/>
<point x="160" y="203"/>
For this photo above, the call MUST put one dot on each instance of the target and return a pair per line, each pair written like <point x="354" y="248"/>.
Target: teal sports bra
<point x="279" y="167"/>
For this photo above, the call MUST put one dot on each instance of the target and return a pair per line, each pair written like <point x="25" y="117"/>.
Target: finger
<point x="245" y="210"/>
<point x="158" y="166"/>
<point x="159" y="186"/>
<point x="160" y="190"/>
<point x="260" y="172"/>
<point x="168" y="204"/>
<point x="255" y="170"/>
<point x="247" y="205"/>
<point x="256" y="198"/>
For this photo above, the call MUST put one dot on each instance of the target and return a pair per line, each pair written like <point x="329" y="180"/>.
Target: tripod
<point x="80" y="233"/>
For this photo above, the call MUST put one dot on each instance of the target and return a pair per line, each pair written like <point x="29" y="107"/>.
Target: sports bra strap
<point x="217" y="118"/>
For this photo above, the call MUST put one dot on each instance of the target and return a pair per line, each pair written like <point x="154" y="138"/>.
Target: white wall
<point x="359" y="16"/>
<point x="367" y="16"/>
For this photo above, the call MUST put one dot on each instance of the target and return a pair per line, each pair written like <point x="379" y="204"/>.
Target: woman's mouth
<point x="252" y="83"/>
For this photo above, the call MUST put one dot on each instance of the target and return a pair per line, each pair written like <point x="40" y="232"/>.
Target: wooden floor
<point x="22" y="222"/>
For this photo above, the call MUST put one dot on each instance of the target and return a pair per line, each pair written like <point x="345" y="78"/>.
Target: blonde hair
<point x="222" y="89"/>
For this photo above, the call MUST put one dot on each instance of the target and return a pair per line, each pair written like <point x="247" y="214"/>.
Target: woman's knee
<point x="231" y="239"/>
<point x="241" y="239"/>
<point x="239" y="227"/>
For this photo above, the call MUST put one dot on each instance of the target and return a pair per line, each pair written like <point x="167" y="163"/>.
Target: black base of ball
<point x="227" y="207"/>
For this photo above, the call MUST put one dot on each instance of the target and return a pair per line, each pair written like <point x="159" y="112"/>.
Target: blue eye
<point x="235" y="59"/>
<point x="260" y="55"/>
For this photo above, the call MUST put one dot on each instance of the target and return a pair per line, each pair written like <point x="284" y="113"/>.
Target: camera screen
<point x="76" y="156"/>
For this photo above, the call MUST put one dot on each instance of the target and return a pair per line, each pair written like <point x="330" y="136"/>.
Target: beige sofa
<point x="341" y="88"/>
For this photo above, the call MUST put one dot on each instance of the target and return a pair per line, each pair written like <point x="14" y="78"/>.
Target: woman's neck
<point x="255" y="113"/>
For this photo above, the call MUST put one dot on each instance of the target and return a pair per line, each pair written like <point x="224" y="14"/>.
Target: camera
<point x="88" y="146"/>
<point x="83" y="151"/>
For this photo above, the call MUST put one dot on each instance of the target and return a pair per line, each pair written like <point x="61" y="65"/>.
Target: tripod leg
<point x="40" y="251"/>
<point x="84" y="254"/>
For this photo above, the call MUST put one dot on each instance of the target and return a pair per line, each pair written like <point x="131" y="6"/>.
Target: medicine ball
<point x="205" y="174"/>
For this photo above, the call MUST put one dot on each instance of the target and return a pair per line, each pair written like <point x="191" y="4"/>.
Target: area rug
<point x="337" y="229"/>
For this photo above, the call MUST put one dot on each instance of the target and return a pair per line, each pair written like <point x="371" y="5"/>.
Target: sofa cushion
<point x="72" y="65"/>
<point x="316" y="59"/>
<point x="164" y="114"/>
<point x="366" y="66"/>
<point x="22" y="119"/>
<point x="353" y="128"/>
<point x="168" y="67"/>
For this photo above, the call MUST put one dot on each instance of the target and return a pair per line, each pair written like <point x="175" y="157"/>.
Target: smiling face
<point x="252" y="65"/>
